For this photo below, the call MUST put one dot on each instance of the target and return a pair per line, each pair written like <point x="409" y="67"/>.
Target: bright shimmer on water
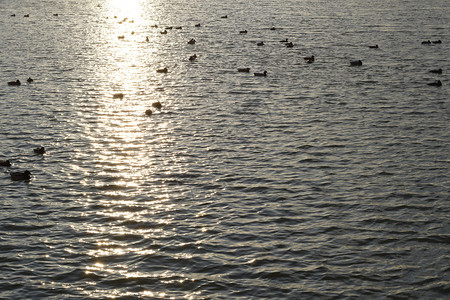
<point x="318" y="181"/>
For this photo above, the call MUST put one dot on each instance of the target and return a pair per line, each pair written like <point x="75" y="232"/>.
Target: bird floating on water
<point x="244" y="70"/>
<point x="5" y="163"/>
<point x="436" y="71"/>
<point x="164" y="32"/>
<point x="260" y="44"/>
<point x="374" y="47"/>
<point x="263" y="74"/>
<point x="356" y="63"/>
<point x="198" y="25"/>
<point x="148" y="112"/>
<point x="224" y="17"/>
<point x="289" y="44"/>
<point x="191" y="42"/>
<point x="17" y="82"/>
<point x="18" y="176"/>
<point x="309" y="58"/>
<point x="436" y="83"/>
<point x="30" y="80"/>
<point x="243" y="32"/>
<point x="118" y="96"/>
<point x="39" y="150"/>
<point x="437" y="42"/>
<point x="193" y="57"/>
<point x="157" y="105"/>
<point x="426" y="42"/>
<point x="163" y="70"/>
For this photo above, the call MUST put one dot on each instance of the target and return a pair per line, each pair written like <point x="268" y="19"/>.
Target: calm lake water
<point x="319" y="181"/>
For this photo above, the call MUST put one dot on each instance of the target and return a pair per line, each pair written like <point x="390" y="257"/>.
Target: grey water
<point x="318" y="181"/>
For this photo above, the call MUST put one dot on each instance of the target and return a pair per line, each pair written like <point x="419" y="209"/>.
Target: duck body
<point x="157" y="105"/>
<point x="39" y="150"/>
<point x="118" y="96"/>
<point x="244" y="70"/>
<point x="374" y="47"/>
<point x="193" y="57"/>
<point x="243" y="32"/>
<point x="191" y="42"/>
<point x="426" y="42"/>
<point x="436" y="83"/>
<point x="437" y="71"/>
<point x="5" y="163"/>
<point x="260" y="44"/>
<point x="148" y="112"/>
<point x="30" y="80"/>
<point x="16" y="83"/>
<point x="289" y="44"/>
<point x="263" y="74"/>
<point x="164" y="70"/>
<point x="18" y="176"/>
<point x="356" y="63"/>
<point x="309" y="58"/>
<point x="437" y="42"/>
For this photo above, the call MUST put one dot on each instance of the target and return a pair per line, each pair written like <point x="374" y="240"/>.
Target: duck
<point x="118" y="96"/>
<point x="147" y="39"/>
<point x="437" y="71"/>
<point x="191" y="42"/>
<point x="193" y="57"/>
<point x="289" y="45"/>
<point x="17" y="82"/>
<point x="243" y="32"/>
<point x="148" y="112"/>
<point x="154" y="26"/>
<point x="30" y="80"/>
<point x="309" y="61"/>
<point x="311" y="58"/>
<point x="169" y="27"/>
<point x="39" y="150"/>
<point x="356" y="63"/>
<point x="260" y="44"/>
<point x="437" y="42"/>
<point x="273" y="28"/>
<point x="224" y="17"/>
<point x="198" y="25"/>
<point x="436" y="83"/>
<point x="284" y="41"/>
<point x="132" y="33"/>
<point x="55" y="15"/>
<point x="179" y="27"/>
<point x="163" y="70"/>
<point x="5" y="163"/>
<point x="121" y="37"/>
<point x="426" y="42"/>
<point x="26" y="16"/>
<point x="157" y="105"/>
<point x="263" y="74"/>
<point x="13" y="15"/>
<point x="17" y="176"/>
<point x="374" y="47"/>
<point x="244" y="70"/>
<point x="164" y="32"/>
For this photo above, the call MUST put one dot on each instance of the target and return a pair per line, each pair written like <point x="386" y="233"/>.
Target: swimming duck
<point x="436" y="83"/>
<point x="289" y="45"/>
<point x="193" y="57"/>
<point x="243" y="32"/>
<point x="17" y="82"/>
<point x="5" y="163"/>
<point x="191" y="42"/>
<point x="244" y="70"/>
<point x="147" y="39"/>
<point x="26" y="16"/>
<point x="309" y="61"/>
<point x="148" y="112"/>
<point x="437" y="71"/>
<point x="426" y="42"/>
<point x="224" y="17"/>
<point x="169" y="27"/>
<point x="39" y="150"/>
<point x="311" y="58"/>
<point x="118" y="96"/>
<point x="164" y="70"/>
<point x="273" y="28"/>
<point x="198" y="25"/>
<point x="374" y="47"/>
<point x="179" y="27"/>
<point x="437" y="42"/>
<point x="30" y="80"/>
<point x="55" y="15"/>
<point x="26" y="175"/>
<point x="356" y="63"/>
<point x="13" y="15"/>
<point x="154" y="26"/>
<point x="260" y="44"/>
<point x="164" y="32"/>
<point x="284" y="41"/>
<point x="121" y="37"/>
<point x="263" y="74"/>
<point x="157" y="105"/>
<point x="132" y="32"/>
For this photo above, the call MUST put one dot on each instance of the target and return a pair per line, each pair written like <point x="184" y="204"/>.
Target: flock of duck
<point x="21" y="176"/>
<point x="26" y="175"/>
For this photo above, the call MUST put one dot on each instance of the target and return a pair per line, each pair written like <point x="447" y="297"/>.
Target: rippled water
<point x="318" y="181"/>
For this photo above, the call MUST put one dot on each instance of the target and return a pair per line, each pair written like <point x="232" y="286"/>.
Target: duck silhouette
<point x="426" y="42"/>
<point x="356" y="63"/>
<point x="5" y="163"/>
<point x="118" y="96"/>
<point x="436" y="83"/>
<point x="244" y="70"/>
<point x="260" y="44"/>
<point x="309" y="58"/>
<point x="193" y="57"/>
<point x="437" y="42"/>
<point x="18" y="176"/>
<point x="374" y="47"/>
<point x="17" y="82"/>
<point x="437" y="71"/>
<point x="30" y="80"/>
<point x="163" y="70"/>
<point x="157" y="105"/>
<point x="289" y="44"/>
<point x="263" y="74"/>
<point x="39" y="150"/>
<point x="191" y="42"/>
<point x="148" y="112"/>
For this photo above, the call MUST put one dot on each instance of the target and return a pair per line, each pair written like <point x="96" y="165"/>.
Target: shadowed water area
<point x="321" y="180"/>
